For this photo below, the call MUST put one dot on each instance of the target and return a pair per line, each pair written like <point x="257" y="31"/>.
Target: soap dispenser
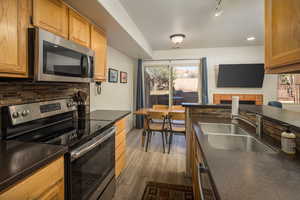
<point x="288" y="141"/>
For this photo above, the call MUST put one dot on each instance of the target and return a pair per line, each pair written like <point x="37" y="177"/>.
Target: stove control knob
<point x="25" y="113"/>
<point x="15" y="115"/>
<point x="69" y="105"/>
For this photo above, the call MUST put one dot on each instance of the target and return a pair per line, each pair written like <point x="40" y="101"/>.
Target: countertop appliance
<point x="54" y="58"/>
<point x="90" y="161"/>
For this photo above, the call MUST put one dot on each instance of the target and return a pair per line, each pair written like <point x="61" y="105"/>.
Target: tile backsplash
<point x="16" y="92"/>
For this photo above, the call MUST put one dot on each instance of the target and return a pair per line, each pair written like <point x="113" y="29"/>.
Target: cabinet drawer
<point x="120" y="150"/>
<point x="120" y="164"/>
<point x="39" y="184"/>
<point x="120" y="137"/>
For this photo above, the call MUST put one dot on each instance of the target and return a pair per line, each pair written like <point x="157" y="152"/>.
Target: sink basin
<point x="232" y="137"/>
<point x="223" y="129"/>
<point x="238" y="143"/>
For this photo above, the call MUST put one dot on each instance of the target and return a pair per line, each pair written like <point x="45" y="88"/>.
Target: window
<point x="171" y="84"/>
<point x="185" y="84"/>
<point x="157" y="82"/>
<point x="289" y="88"/>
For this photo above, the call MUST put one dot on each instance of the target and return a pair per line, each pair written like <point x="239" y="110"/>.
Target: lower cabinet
<point x="45" y="184"/>
<point x="202" y="186"/>
<point x="120" y="145"/>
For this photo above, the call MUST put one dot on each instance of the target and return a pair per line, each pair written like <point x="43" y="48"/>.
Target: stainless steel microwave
<point x="56" y="59"/>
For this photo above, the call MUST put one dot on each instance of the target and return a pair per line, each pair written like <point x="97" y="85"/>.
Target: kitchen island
<point x="233" y="173"/>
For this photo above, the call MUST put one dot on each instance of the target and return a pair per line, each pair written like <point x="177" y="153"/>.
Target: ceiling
<point x="158" y="19"/>
<point x="119" y="36"/>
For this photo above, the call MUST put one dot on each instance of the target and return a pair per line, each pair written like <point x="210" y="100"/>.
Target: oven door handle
<point x="77" y="153"/>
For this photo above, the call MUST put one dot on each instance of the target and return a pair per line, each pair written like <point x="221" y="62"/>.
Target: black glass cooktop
<point x="67" y="133"/>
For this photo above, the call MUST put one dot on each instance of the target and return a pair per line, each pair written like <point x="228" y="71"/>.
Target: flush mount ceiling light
<point x="218" y="10"/>
<point x="251" y="38"/>
<point x="177" y="38"/>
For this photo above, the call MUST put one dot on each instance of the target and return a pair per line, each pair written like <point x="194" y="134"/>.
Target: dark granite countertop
<point x="109" y="115"/>
<point x="248" y="175"/>
<point x="272" y="113"/>
<point x="20" y="159"/>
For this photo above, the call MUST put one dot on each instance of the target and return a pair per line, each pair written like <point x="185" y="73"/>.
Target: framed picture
<point x="113" y="75"/>
<point x="123" y="77"/>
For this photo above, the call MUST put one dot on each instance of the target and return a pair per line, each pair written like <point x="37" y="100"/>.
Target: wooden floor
<point x="153" y="165"/>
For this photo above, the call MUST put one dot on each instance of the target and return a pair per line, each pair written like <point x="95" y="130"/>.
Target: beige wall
<point x="116" y="96"/>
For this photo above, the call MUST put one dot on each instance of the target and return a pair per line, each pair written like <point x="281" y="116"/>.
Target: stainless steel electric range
<point x="90" y="161"/>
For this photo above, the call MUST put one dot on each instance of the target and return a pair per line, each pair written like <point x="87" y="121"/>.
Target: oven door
<point x="61" y="60"/>
<point x="93" y="166"/>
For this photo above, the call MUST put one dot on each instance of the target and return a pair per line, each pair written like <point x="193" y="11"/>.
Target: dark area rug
<point x="164" y="191"/>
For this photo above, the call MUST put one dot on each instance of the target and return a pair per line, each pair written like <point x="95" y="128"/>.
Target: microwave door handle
<point x="89" y="69"/>
<point x="81" y="65"/>
<point x="80" y="152"/>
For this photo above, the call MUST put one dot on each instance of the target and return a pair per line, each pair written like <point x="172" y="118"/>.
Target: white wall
<point x="116" y="96"/>
<point x="119" y="13"/>
<point x="226" y="55"/>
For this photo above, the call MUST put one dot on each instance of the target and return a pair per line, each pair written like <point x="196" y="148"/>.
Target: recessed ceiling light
<point x="177" y="38"/>
<point x="218" y="13"/>
<point x="251" y="38"/>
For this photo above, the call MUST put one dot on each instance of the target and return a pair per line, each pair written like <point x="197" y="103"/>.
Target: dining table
<point x="144" y="112"/>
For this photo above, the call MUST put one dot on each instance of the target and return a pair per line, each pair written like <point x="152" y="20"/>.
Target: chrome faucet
<point x="257" y="124"/>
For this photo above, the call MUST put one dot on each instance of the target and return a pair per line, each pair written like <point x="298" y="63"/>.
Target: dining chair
<point x="177" y="107"/>
<point x="175" y="128"/>
<point x="160" y="107"/>
<point x="152" y="127"/>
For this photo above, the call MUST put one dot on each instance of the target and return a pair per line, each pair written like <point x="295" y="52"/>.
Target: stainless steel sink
<point x="224" y="129"/>
<point x="232" y="137"/>
<point x="238" y="143"/>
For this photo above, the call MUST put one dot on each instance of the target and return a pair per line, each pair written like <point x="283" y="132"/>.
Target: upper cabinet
<point x="99" y="45"/>
<point x="282" y="36"/>
<point x="14" y="21"/>
<point x="51" y="15"/>
<point x="79" y="29"/>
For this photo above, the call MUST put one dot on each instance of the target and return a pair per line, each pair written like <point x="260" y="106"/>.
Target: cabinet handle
<point x="201" y="169"/>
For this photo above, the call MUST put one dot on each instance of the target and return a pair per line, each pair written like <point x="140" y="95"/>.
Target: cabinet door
<point x="79" y="29"/>
<point x="99" y="45"/>
<point x="51" y="15"/>
<point x="14" y="21"/>
<point x="282" y="35"/>
<point x="54" y="193"/>
<point x="47" y="184"/>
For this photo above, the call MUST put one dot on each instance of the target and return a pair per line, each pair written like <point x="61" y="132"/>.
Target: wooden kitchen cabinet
<point x="120" y="145"/>
<point x="282" y="36"/>
<point x="14" y="21"/>
<point x="99" y="45"/>
<point x="45" y="184"/>
<point x="79" y="29"/>
<point x="51" y="15"/>
<point x="200" y="180"/>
